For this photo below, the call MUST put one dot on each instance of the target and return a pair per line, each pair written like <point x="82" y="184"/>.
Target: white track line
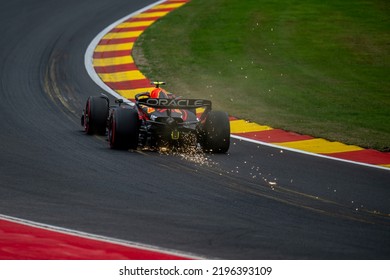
<point x="88" y="57"/>
<point x="88" y="61"/>
<point x="306" y="153"/>
<point x="100" y="238"/>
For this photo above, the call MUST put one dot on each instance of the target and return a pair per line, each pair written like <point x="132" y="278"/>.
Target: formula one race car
<point x="157" y="119"/>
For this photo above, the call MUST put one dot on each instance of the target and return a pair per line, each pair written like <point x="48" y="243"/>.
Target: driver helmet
<point x="158" y="93"/>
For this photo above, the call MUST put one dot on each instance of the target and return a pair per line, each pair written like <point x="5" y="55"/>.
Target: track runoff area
<point x="48" y="252"/>
<point x="108" y="63"/>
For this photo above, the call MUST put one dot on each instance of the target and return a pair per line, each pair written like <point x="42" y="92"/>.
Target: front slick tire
<point x="95" y="116"/>
<point x="216" y="132"/>
<point x="123" y="129"/>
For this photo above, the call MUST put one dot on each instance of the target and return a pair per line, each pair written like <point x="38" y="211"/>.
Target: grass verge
<point x="310" y="66"/>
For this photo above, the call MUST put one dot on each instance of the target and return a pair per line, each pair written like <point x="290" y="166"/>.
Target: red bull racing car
<point x="157" y="119"/>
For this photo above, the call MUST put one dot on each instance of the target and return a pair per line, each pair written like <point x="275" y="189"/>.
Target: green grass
<point x="310" y="66"/>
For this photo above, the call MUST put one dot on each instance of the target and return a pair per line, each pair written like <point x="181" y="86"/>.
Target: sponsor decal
<point x="174" y="103"/>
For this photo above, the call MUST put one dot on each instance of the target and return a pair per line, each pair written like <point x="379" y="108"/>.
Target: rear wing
<point x="167" y="103"/>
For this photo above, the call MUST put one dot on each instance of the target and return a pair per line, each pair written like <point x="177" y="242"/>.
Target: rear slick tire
<point x="123" y="129"/>
<point x="216" y="132"/>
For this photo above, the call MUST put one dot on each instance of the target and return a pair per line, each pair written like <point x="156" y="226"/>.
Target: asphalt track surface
<point x="256" y="202"/>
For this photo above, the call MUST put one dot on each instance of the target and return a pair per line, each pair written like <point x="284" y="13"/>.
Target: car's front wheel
<point x="95" y="115"/>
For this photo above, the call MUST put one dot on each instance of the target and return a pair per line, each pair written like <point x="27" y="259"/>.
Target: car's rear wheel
<point x="216" y="132"/>
<point x="96" y="115"/>
<point x="123" y="129"/>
